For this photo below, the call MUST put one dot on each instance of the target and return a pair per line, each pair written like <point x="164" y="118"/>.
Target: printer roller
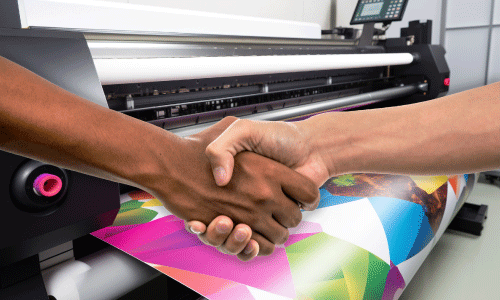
<point x="106" y="274"/>
<point x="125" y="70"/>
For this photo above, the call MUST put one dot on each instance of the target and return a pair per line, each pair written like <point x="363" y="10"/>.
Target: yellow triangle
<point x="153" y="202"/>
<point x="429" y="183"/>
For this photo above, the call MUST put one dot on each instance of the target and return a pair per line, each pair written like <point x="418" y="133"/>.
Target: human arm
<point x="456" y="134"/>
<point x="459" y="133"/>
<point x="44" y="122"/>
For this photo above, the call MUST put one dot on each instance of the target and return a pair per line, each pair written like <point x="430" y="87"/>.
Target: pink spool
<point x="47" y="185"/>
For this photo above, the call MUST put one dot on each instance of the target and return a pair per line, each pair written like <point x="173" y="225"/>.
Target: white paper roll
<point x="107" y="274"/>
<point x="120" y="71"/>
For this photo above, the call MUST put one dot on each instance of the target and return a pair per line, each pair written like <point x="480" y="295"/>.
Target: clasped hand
<point x="280" y="141"/>
<point x="262" y="193"/>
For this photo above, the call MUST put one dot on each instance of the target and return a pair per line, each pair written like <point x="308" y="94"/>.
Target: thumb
<point x="236" y="138"/>
<point x="222" y="165"/>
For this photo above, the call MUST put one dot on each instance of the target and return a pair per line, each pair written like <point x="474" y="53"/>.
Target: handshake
<point x="255" y="175"/>
<point x="240" y="184"/>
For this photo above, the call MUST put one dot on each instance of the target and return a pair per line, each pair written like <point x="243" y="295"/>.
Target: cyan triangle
<point x="328" y="199"/>
<point x="424" y="237"/>
<point x="401" y="221"/>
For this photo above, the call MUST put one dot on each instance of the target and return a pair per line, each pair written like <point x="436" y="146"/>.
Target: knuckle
<point x="266" y="193"/>
<point x="271" y="169"/>
<point x="242" y="122"/>
<point x="253" y="220"/>
<point x="211" y="150"/>
<point x="230" y="119"/>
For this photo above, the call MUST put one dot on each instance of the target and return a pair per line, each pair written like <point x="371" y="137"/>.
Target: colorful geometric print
<point x="406" y="227"/>
<point x="278" y="276"/>
<point x="313" y="263"/>
<point x="132" y="214"/>
<point x="428" y="192"/>
<point x="341" y="270"/>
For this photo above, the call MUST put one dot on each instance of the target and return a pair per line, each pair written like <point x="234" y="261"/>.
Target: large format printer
<point x="182" y="71"/>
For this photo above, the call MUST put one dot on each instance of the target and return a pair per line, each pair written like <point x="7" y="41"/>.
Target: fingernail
<point x="248" y="249"/>
<point x="220" y="175"/>
<point x="240" y="235"/>
<point x="222" y="227"/>
<point x="194" y="231"/>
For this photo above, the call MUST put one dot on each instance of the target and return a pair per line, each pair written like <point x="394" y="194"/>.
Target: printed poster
<point x="366" y="240"/>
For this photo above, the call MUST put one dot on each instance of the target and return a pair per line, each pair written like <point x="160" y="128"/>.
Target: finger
<point x="195" y="227"/>
<point x="221" y="151"/>
<point x="217" y="231"/>
<point x="250" y="251"/>
<point x="288" y="214"/>
<point x="299" y="188"/>
<point x="265" y="246"/>
<point x="237" y="240"/>
<point x="272" y="231"/>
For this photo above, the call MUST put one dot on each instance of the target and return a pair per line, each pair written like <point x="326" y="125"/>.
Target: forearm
<point x="455" y="134"/>
<point x="45" y="122"/>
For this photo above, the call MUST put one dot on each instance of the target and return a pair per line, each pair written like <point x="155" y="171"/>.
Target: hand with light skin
<point x="456" y="134"/>
<point x="285" y="142"/>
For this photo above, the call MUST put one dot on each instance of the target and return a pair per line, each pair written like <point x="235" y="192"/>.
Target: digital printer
<point x="182" y="71"/>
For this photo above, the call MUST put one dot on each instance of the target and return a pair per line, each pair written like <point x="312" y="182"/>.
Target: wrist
<point x="315" y="164"/>
<point x="335" y="138"/>
<point x="155" y="153"/>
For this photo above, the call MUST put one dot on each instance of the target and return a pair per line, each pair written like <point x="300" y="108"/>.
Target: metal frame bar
<point x="490" y="33"/>
<point x="442" y="35"/>
<point x="307" y="109"/>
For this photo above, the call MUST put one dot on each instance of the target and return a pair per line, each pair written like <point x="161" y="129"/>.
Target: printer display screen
<point x="378" y="11"/>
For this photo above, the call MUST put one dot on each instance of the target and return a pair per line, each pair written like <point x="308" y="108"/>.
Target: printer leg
<point x="22" y="280"/>
<point x="29" y="289"/>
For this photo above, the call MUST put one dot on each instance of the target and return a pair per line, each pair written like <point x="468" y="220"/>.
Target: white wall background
<point x="326" y="13"/>
<point x="472" y="42"/>
<point x="314" y="11"/>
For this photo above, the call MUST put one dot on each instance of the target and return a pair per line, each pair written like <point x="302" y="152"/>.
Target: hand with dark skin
<point x="258" y="193"/>
<point x="44" y="122"/>
<point x="278" y="140"/>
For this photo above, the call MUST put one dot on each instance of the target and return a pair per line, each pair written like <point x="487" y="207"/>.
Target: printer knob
<point x="47" y="185"/>
<point x="37" y="187"/>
